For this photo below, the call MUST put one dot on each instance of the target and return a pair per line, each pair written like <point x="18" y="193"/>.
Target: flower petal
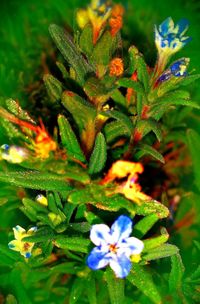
<point x="121" y="265"/>
<point x="14" y="245"/>
<point x="32" y="230"/>
<point x="131" y="246"/>
<point x="98" y="259"/>
<point x="100" y="234"/>
<point x="18" y="232"/>
<point x="183" y="25"/>
<point x="166" y="26"/>
<point x="121" y="228"/>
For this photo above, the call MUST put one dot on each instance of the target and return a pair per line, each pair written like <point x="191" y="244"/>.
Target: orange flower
<point x="130" y="188"/>
<point x="116" y="67"/>
<point x="116" y="20"/>
<point x="42" y="144"/>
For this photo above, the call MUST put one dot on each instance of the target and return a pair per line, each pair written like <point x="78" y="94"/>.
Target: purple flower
<point x="114" y="246"/>
<point x="176" y="69"/>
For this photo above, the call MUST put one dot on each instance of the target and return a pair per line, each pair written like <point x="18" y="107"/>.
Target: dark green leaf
<point x="53" y="86"/>
<point x="194" y="146"/>
<point x="176" y="274"/>
<point x="99" y="155"/>
<point x="129" y="83"/>
<point x="148" y="150"/>
<point x="70" y="52"/>
<point x="144" y="225"/>
<point x="115" y="287"/>
<point x="140" y="278"/>
<point x="69" y="139"/>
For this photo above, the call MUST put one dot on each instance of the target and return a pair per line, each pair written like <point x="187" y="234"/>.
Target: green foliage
<point x="96" y="118"/>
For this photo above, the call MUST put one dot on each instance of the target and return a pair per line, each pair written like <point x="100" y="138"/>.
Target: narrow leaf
<point x="99" y="155"/>
<point x="115" y="287"/>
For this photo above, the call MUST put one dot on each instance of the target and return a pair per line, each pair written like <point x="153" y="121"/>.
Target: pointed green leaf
<point x="145" y="126"/>
<point x="76" y="290"/>
<point x="115" y="130"/>
<point x="163" y="251"/>
<point x="14" y="107"/>
<point x="148" y="150"/>
<point x="129" y="83"/>
<point x="70" y="52"/>
<point x="176" y="274"/>
<point x="99" y="155"/>
<point x="115" y="287"/>
<point x="91" y="289"/>
<point x="140" y="278"/>
<point x="156" y="241"/>
<point x="53" y="86"/>
<point x="80" y="109"/>
<point x="36" y="180"/>
<point x="77" y="244"/>
<point x="150" y="207"/>
<point x="144" y="225"/>
<point x="69" y="139"/>
<point x="86" y="40"/>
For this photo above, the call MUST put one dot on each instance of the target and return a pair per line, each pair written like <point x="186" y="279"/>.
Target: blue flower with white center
<point x="176" y="69"/>
<point x="114" y="246"/>
<point x="169" y="38"/>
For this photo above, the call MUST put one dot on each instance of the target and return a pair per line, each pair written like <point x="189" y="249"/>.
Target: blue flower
<point x="114" y="246"/>
<point x="169" y="38"/>
<point x="176" y="69"/>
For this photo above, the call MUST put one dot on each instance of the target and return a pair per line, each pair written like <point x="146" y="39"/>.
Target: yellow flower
<point x="97" y="13"/>
<point x="13" y="154"/>
<point x="41" y="199"/>
<point x="18" y="244"/>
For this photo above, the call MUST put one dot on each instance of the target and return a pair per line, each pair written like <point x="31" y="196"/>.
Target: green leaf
<point x="144" y="225"/>
<point x="142" y="72"/>
<point x="124" y="119"/>
<point x="156" y="241"/>
<point x="148" y="150"/>
<point x="119" y="98"/>
<point x="176" y="274"/>
<point x="53" y="86"/>
<point x="86" y="40"/>
<point x="36" y="180"/>
<point x="129" y="83"/>
<point x="76" y="290"/>
<point x="70" y="52"/>
<point x="69" y="139"/>
<point x="150" y="207"/>
<point x="163" y="251"/>
<point x="145" y="126"/>
<point x="42" y="235"/>
<point x="91" y="289"/>
<point x="103" y="50"/>
<point x="115" y="130"/>
<point x="189" y="79"/>
<point x="14" y="107"/>
<point x="63" y="70"/>
<point x="99" y="155"/>
<point x="140" y="278"/>
<point x="115" y="287"/>
<point x="194" y="146"/>
<point x="77" y="244"/>
<point x="81" y="110"/>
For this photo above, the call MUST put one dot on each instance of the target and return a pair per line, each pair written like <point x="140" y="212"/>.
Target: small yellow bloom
<point x="13" y="154"/>
<point x="135" y="258"/>
<point x="41" y="199"/>
<point x="18" y="244"/>
<point x="55" y="218"/>
<point x="97" y="13"/>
